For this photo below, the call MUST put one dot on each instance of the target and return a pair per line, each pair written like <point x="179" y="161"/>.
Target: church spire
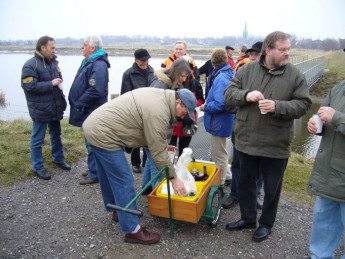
<point x="245" y="33"/>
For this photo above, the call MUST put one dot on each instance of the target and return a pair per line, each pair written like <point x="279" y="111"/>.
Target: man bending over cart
<point x="138" y="118"/>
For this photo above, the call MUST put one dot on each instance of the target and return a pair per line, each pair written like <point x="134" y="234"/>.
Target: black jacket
<point x="45" y="101"/>
<point x="133" y="78"/>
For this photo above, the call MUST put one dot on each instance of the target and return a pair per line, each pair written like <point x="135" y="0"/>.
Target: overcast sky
<point x="30" y="19"/>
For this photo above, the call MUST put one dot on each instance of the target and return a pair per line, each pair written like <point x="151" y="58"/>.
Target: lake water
<point x="10" y="72"/>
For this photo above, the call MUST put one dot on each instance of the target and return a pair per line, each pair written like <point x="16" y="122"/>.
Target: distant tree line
<point x="326" y="45"/>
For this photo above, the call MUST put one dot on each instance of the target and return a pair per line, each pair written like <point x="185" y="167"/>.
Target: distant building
<point x="245" y="33"/>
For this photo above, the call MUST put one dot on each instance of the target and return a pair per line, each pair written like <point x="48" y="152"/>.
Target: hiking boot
<point x="85" y="173"/>
<point x="88" y="181"/>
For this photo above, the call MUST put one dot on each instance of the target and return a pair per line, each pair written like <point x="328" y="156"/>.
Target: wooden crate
<point x="182" y="210"/>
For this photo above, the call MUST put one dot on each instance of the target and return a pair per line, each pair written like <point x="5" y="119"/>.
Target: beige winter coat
<point x="137" y="118"/>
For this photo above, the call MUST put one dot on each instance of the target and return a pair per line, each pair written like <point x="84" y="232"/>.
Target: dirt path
<point x="62" y="219"/>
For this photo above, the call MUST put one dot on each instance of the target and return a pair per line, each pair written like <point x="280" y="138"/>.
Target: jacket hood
<point x="161" y="76"/>
<point x="99" y="55"/>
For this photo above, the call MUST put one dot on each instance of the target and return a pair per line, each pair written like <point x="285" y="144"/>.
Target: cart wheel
<point x="215" y="198"/>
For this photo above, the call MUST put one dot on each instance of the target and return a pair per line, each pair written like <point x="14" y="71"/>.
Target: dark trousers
<point x="135" y="157"/>
<point x="272" y="171"/>
<point x="183" y="142"/>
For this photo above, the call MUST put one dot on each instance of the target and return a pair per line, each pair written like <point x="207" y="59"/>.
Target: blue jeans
<point x="150" y="170"/>
<point x="117" y="184"/>
<point x="91" y="164"/>
<point x="235" y="170"/>
<point x="328" y="227"/>
<point x="37" y="137"/>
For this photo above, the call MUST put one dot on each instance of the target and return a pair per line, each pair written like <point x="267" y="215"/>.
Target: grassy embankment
<point x="15" y="143"/>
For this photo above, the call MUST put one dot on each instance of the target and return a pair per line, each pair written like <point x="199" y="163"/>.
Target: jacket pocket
<point x="337" y="162"/>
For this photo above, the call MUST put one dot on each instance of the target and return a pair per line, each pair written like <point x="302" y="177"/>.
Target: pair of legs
<point x="150" y="170"/>
<point x="135" y="157"/>
<point x="272" y="170"/>
<point x="91" y="163"/>
<point x="328" y="227"/>
<point x="183" y="142"/>
<point x="37" y="137"/>
<point x="235" y="169"/>
<point x="220" y="156"/>
<point x="117" y="184"/>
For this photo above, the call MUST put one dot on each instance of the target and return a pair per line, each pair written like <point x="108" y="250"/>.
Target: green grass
<point x="335" y="63"/>
<point x="15" y="136"/>
<point x="296" y="178"/>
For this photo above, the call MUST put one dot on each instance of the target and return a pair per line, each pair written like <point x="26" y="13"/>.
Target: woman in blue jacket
<point x="218" y="122"/>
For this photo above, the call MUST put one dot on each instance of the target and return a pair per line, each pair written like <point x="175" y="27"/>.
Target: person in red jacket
<point x="178" y="133"/>
<point x="229" y="51"/>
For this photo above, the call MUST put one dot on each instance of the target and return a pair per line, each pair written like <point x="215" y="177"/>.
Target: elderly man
<point x="42" y="83"/>
<point x="180" y="50"/>
<point x="264" y="131"/>
<point x="132" y="121"/>
<point x="229" y="51"/>
<point x="327" y="178"/>
<point x="89" y="91"/>
<point x="137" y="76"/>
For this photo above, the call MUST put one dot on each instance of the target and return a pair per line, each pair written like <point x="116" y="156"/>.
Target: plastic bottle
<point x="186" y="158"/>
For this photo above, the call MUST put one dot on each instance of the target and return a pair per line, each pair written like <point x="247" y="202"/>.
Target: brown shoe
<point x="143" y="237"/>
<point x="88" y="181"/>
<point x="85" y="173"/>
<point x="115" y="217"/>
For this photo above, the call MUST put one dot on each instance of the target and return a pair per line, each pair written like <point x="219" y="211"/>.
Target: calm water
<point x="10" y="72"/>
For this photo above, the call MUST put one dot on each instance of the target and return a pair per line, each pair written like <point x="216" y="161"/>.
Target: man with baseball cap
<point x="138" y="118"/>
<point x="137" y="76"/>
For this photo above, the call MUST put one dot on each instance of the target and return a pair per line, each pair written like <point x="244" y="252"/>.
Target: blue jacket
<point x="90" y="87"/>
<point x="217" y="120"/>
<point x="45" y="101"/>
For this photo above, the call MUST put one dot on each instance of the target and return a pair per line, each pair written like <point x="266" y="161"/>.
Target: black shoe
<point x="227" y="182"/>
<point x="136" y="169"/>
<point x="229" y="203"/>
<point x="239" y="225"/>
<point x="43" y="174"/>
<point x="147" y="191"/>
<point x="63" y="166"/>
<point x="261" y="234"/>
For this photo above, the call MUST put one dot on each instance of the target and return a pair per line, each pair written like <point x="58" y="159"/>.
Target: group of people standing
<point x="255" y="101"/>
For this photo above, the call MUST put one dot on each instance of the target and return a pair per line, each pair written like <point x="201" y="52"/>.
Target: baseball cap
<point x="189" y="100"/>
<point x="257" y="46"/>
<point x="142" y="54"/>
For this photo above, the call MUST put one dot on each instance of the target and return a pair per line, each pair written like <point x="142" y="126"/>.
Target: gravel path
<point x="62" y="219"/>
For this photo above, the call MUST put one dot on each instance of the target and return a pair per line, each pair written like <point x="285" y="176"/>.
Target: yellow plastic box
<point x="211" y="169"/>
<point x="199" y="187"/>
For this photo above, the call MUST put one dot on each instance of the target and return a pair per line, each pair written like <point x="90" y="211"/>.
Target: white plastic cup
<point x="61" y="86"/>
<point x="318" y="123"/>
<point x="262" y="112"/>
<point x="171" y="156"/>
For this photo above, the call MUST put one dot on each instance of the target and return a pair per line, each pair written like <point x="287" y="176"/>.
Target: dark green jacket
<point x="267" y="135"/>
<point x="328" y="177"/>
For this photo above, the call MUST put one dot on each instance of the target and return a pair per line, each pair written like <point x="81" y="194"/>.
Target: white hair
<point x="95" y="41"/>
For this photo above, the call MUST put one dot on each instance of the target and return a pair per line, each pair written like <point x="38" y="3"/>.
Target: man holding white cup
<point x="327" y="178"/>
<point x="264" y="140"/>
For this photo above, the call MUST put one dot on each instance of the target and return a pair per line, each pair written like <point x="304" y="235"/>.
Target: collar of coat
<point x="161" y="76"/>
<point x="276" y="71"/>
<point x="40" y="55"/>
